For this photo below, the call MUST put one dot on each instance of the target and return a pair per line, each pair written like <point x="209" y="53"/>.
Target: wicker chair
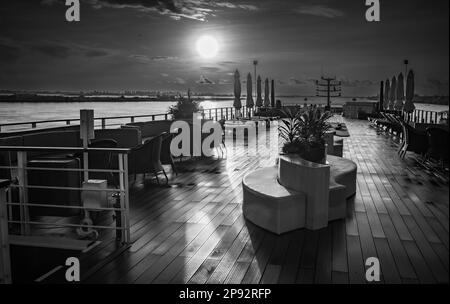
<point x="166" y="155"/>
<point x="147" y="158"/>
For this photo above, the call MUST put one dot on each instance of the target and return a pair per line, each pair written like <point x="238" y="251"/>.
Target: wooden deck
<point x="194" y="231"/>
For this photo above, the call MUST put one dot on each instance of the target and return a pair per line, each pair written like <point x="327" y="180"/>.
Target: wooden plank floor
<point x="194" y="231"/>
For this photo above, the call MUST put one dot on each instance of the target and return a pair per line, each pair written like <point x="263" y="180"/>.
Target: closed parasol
<point x="259" y="101"/>
<point x="409" y="104"/>
<point x="249" y="103"/>
<point x="237" y="91"/>
<point x="387" y="87"/>
<point x="400" y="93"/>
<point x="392" y="93"/>
<point x="266" y="93"/>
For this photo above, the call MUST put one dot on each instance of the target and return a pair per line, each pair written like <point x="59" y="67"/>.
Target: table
<point x="339" y="129"/>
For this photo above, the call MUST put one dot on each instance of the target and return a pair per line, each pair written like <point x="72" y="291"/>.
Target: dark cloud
<point x="294" y="81"/>
<point x="225" y="81"/>
<point x="204" y="80"/>
<point x="176" y="9"/>
<point x="96" y="53"/>
<point x="53" y="50"/>
<point x="210" y="69"/>
<point x="9" y="53"/>
<point x="163" y="58"/>
<point x="357" y="83"/>
<point x="320" y="11"/>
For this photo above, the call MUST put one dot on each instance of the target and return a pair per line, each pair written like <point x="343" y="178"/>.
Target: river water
<point x="32" y="111"/>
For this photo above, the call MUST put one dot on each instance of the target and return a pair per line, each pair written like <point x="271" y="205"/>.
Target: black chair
<point x="438" y="144"/>
<point x="166" y="155"/>
<point x="147" y="158"/>
<point x="414" y="140"/>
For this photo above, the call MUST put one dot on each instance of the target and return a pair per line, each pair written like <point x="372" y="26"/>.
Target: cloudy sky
<point x="151" y="45"/>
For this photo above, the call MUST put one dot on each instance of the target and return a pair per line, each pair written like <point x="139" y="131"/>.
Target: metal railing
<point x="102" y="122"/>
<point x="426" y="117"/>
<point x="21" y="203"/>
<point x="110" y="121"/>
<point x="5" y="262"/>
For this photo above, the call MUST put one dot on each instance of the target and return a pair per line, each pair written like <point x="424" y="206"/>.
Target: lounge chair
<point x="438" y="144"/>
<point x="414" y="140"/>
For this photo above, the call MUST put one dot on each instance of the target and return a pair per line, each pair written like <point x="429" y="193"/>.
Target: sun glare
<point x="207" y="47"/>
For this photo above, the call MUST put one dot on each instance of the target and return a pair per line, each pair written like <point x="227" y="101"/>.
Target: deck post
<point x="5" y="261"/>
<point x="123" y="188"/>
<point x="23" y="192"/>
<point x="86" y="134"/>
<point x="126" y="212"/>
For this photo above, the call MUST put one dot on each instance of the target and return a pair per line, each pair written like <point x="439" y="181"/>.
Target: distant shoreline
<point x="34" y="98"/>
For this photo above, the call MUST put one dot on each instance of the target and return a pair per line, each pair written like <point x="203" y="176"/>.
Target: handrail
<point x="417" y="116"/>
<point x="64" y="149"/>
<point x="77" y="119"/>
<point x="421" y="116"/>
<point x="212" y="112"/>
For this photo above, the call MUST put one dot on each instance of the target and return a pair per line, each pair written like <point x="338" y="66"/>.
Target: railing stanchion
<point x="123" y="188"/>
<point x="5" y="261"/>
<point x="23" y="192"/>
<point x="127" y="200"/>
<point x="103" y="123"/>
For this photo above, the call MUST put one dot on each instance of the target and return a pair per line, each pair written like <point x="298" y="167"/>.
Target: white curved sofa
<point x="298" y="193"/>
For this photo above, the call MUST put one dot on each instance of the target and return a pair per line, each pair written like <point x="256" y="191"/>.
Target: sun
<point x="207" y="47"/>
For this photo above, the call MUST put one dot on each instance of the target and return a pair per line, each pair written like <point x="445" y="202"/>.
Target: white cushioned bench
<point x="298" y="193"/>
<point x="271" y="205"/>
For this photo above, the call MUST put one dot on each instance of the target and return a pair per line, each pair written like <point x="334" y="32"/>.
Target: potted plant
<point x="304" y="133"/>
<point x="185" y="107"/>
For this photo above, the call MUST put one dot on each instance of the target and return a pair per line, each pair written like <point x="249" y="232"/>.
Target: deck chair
<point x="438" y="144"/>
<point x="414" y="140"/>
<point x="166" y="155"/>
<point x="147" y="158"/>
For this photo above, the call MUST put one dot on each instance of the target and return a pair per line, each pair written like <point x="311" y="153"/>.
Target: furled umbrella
<point x="387" y="87"/>
<point x="259" y="101"/>
<point x="272" y="94"/>
<point x="400" y="94"/>
<point x="237" y="92"/>
<point x="380" y="103"/>
<point x="266" y="93"/>
<point x="409" y="104"/>
<point x="392" y="93"/>
<point x="249" y="103"/>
